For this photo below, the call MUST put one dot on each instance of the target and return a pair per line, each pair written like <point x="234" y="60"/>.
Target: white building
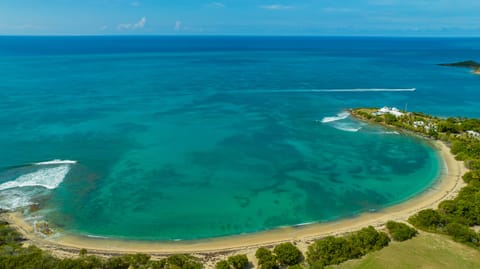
<point x="419" y="123"/>
<point x="473" y="134"/>
<point x="387" y="110"/>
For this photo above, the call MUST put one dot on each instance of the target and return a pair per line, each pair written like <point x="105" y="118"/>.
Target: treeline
<point x="456" y="217"/>
<point x="323" y="252"/>
<point x="14" y="256"/>
<point x="453" y="217"/>
<point x="434" y="127"/>
<point x="335" y="250"/>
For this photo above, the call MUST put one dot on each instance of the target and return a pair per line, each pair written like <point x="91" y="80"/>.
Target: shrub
<point x="428" y="220"/>
<point x="266" y="260"/>
<point x="471" y="175"/>
<point x="332" y="250"/>
<point x="329" y="250"/>
<point x="238" y="261"/>
<point x="222" y="265"/>
<point x="400" y="231"/>
<point x="296" y="266"/>
<point x="367" y="240"/>
<point x="463" y="234"/>
<point x="183" y="261"/>
<point x="288" y="254"/>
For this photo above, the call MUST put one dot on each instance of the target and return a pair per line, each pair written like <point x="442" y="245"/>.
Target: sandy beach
<point x="446" y="187"/>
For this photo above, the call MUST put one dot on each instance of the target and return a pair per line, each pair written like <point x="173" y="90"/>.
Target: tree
<point x="428" y="220"/>
<point x="238" y="261"/>
<point x="400" y="231"/>
<point x="266" y="260"/>
<point x="367" y="240"/>
<point x="329" y="250"/>
<point x="222" y="265"/>
<point x="288" y="254"/>
<point x="183" y="261"/>
<point x="463" y="234"/>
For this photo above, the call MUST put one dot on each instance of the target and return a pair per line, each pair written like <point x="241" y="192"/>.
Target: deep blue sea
<point x="164" y="138"/>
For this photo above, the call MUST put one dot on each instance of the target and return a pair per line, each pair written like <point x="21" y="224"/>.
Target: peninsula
<point x="444" y="209"/>
<point x="465" y="64"/>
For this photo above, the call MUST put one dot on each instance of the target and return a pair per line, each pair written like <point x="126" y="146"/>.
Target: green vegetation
<point x="238" y="261"/>
<point x="14" y="255"/>
<point x="428" y="220"/>
<point x="235" y="262"/>
<point x="400" y="231"/>
<point x="467" y="64"/>
<point x="266" y="259"/>
<point x="287" y="254"/>
<point x="284" y="254"/>
<point x="453" y="217"/>
<point x="222" y="265"/>
<point x="423" y="251"/>
<point x="335" y="250"/>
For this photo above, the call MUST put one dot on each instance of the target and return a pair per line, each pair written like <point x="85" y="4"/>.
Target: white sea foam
<point x="49" y="178"/>
<point x="391" y="132"/>
<point x="305" y="223"/>
<point x="340" y="116"/>
<point x="13" y="199"/>
<point x="347" y="127"/>
<point x="56" y="161"/>
<point x="97" y="236"/>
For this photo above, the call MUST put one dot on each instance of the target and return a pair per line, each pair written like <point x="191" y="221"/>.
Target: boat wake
<point x="328" y="90"/>
<point x="23" y="183"/>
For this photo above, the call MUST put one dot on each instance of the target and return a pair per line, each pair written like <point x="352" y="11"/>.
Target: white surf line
<point x="325" y="90"/>
<point x="56" y="161"/>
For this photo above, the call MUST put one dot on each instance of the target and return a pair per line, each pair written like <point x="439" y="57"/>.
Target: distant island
<point x="466" y="64"/>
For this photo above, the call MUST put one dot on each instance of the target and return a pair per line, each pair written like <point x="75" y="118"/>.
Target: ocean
<point x="178" y="138"/>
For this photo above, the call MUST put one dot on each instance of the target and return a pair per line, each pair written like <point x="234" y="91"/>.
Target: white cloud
<point x="178" y="26"/>
<point x="216" y="5"/>
<point x="277" y="7"/>
<point x="103" y="28"/>
<point x="129" y="26"/>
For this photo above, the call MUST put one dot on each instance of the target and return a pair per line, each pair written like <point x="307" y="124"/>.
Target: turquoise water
<point x="195" y="137"/>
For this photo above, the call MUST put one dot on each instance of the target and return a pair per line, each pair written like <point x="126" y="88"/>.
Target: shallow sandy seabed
<point x="446" y="187"/>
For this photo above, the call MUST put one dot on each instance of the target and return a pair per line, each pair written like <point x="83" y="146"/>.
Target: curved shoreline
<point x="446" y="187"/>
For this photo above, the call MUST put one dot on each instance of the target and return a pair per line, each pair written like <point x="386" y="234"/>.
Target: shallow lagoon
<point x="203" y="143"/>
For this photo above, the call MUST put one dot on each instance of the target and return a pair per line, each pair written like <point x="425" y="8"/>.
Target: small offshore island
<point x="466" y="64"/>
<point x="455" y="213"/>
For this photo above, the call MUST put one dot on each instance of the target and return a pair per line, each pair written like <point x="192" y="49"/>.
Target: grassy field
<point x="427" y="251"/>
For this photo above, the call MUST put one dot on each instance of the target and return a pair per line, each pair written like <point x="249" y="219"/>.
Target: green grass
<point x="429" y="251"/>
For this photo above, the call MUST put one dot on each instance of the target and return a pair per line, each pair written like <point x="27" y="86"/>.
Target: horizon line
<point x="237" y="35"/>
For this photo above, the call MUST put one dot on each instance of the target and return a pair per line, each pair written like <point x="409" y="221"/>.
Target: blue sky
<point x="247" y="17"/>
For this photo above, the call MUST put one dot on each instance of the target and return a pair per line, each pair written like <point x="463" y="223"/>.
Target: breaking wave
<point x="56" y="161"/>
<point x="27" y="182"/>
<point x="347" y="127"/>
<point x="341" y="123"/>
<point x="49" y="178"/>
<point x="340" y="116"/>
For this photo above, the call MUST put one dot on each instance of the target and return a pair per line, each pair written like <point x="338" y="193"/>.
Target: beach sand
<point x="447" y="187"/>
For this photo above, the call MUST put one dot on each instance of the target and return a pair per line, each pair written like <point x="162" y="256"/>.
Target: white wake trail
<point x="328" y="90"/>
